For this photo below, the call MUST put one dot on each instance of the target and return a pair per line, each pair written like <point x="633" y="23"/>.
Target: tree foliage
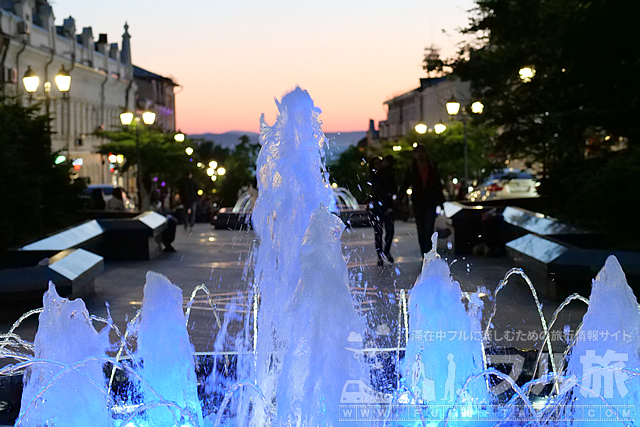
<point x="163" y="158"/>
<point x="578" y="115"/>
<point x="160" y="155"/>
<point x="446" y="150"/>
<point x="585" y="86"/>
<point x="36" y="195"/>
<point x="350" y="171"/>
<point x="240" y="167"/>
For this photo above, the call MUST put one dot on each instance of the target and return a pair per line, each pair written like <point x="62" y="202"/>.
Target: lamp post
<point x="31" y="81"/>
<point x="126" y="119"/>
<point x="527" y="74"/>
<point x="453" y="108"/>
<point x="179" y="137"/>
<point x="439" y="127"/>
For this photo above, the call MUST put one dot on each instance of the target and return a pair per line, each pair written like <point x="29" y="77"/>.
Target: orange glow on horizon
<point x="232" y="59"/>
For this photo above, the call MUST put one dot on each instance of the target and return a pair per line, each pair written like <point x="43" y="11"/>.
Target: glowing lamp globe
<point x="421" y="128"/>
<point x="63" y="80"/>
<point x="453" y="107"/>
<point x="148" y="117"/>
<point x="477" y="107"/>
<point x="126" y="118"/>
<point x="30" y="80"/>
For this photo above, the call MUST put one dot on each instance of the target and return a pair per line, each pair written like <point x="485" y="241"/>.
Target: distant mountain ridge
<point x="339" y="141"/>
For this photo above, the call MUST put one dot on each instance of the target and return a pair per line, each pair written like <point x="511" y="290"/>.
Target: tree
<point x="579" y="111"/>
<point x="585" y="81"/>
<point x="350" y="170"/>
<point x="447" y="150"/>
<point x="36" y="194"/>
<point x="240" y="166"/>
<point x="161" y="156"/>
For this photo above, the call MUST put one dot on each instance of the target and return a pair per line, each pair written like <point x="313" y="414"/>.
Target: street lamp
<point x="179" y="137"/>
<point x="148" y="117"/>
<point x="477" y="107"/>
<point x="421" y="128"/>
<point x="453" y="108"/>
<point x="189" y="151"/>
<point x="30" y="80"/>
<point x="439" y="128"/>
<point x="527" y="74"/>
<point x="63" y="80"/>
<point x="126" y="118"/>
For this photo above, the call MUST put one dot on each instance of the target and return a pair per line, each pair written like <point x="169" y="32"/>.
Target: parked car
<point x="506" y="184"/>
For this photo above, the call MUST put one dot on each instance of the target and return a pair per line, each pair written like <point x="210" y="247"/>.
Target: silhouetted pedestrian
<point x="97" y="202"/>
<point x="426" y="194"/>
<point x="116" y="202"/>
<point x="383" y="190"/>
<point x="189" y="198"/>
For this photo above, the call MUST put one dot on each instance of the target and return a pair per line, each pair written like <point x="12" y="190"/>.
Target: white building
<point x="425" y="104"/>
<point x="156" y="93"/>
<point x="102" y="83"/>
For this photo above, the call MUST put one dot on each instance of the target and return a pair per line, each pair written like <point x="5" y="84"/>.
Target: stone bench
<point x="226" y="219"/>
<point x="519" y="222"/>
<point x="565" y="267"/>
<point x="86" y="235"/>
<point x="460" y="228"/>
<point x="72" y="270"/>
<point x="66" y="257"/>
<point x="137" y="238"/>
<point x="72" y="258"/>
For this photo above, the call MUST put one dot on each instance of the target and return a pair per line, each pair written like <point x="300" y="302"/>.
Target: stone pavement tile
<point x="218" y="259"/>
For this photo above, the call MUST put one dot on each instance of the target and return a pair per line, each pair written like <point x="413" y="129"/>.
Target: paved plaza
<point x="219" y="258"/>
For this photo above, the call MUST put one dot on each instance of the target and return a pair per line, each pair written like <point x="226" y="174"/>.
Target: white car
<point x="506" y="184"/>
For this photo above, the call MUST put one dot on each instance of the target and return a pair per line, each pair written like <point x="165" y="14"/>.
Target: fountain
<point x="289" y="366"/>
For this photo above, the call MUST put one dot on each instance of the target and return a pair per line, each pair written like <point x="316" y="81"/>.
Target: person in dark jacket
<point x="426" y="195"/>
<point x="116" y="202"/>
<point x="189" y="199"/>
<point x="97" y="200"/>
<point x="383" y="190"/>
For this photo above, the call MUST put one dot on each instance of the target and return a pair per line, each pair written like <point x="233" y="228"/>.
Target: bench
<point x="137" y="238"/>
<point x="72" y="270"/>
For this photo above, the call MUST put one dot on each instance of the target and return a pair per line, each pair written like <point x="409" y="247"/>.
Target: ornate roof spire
<point x="125" y="55"/>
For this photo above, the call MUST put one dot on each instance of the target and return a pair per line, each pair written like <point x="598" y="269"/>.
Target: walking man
<point x="383" y="190"/>
<point x="426" y="195"/>
<point x="188" y="196"/>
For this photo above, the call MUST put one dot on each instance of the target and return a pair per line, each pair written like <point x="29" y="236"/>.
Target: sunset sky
<point x="234" y="57"/>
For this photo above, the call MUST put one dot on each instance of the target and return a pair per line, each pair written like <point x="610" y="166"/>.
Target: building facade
<point x="156" y="93"/>
<point x="103" y="84"/>
<point x="425" y="104"/>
